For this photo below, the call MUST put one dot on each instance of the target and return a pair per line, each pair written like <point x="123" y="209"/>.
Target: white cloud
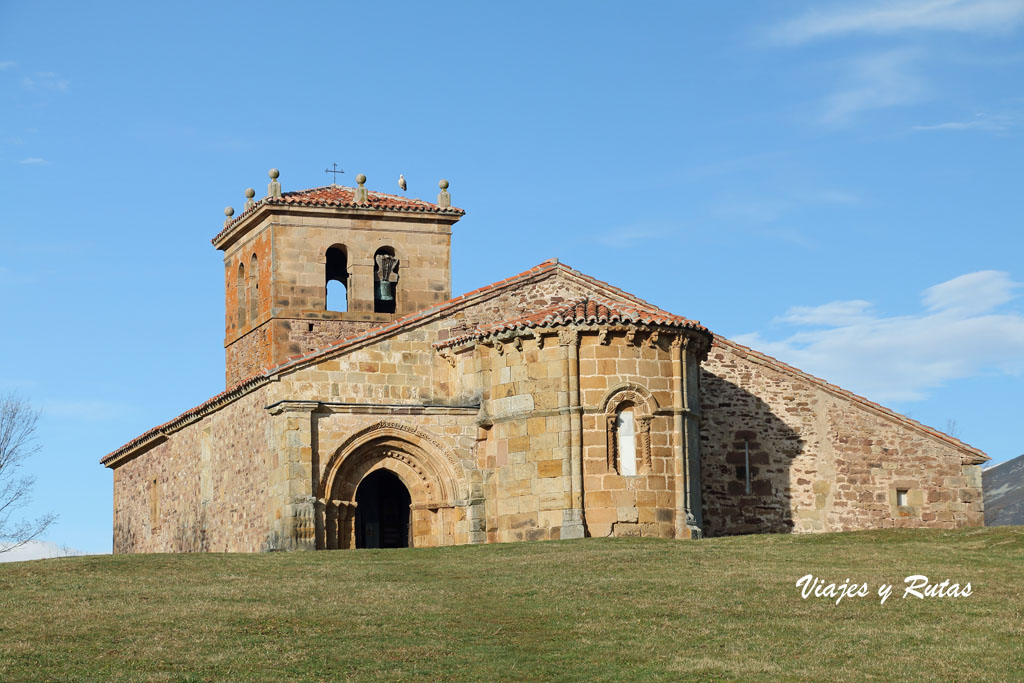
<point x="6" y="65"/>
<point x="623" y="238"/>
<point x="835" y="313"/>
<point x="902" y="358"/>
<point x="995" y="122"/>
<point x="964" y="16"/>
<point x="33" y="161"/>
<point x="10" y="277"/>
<point x="36" y="550"/>
<point x="770" y="209"/>
<point x="878" y="81"/>
<point x="46" y="80"/>
<point x="971" y="294"/>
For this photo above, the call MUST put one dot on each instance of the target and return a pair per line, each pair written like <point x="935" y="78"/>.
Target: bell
<point x="384" y="291"/>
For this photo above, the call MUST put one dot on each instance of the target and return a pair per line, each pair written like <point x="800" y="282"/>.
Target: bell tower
<point x="305" y="269"/>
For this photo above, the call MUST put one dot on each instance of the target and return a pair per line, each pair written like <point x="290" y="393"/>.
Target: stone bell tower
<point x="305" y="269"/>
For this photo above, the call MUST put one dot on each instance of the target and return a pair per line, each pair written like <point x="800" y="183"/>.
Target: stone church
<point x="546" y="405"/>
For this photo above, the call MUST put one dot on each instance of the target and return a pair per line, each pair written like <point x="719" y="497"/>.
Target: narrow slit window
<point x="625" y="433"/>
<point x="254" y="289"/>
<point x="901" y="497"/>
<point x="240" y="294"/>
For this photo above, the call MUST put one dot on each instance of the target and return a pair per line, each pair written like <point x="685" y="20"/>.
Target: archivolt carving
<point x="442" y="475"/>
<point x="360" y="465"/>
<point x="634" y="393"/>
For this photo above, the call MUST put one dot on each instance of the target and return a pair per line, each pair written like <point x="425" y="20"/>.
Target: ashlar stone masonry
<point x="547" y="405"/>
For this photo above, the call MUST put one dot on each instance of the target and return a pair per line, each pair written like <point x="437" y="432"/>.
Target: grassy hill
<point x="607" y="609"/>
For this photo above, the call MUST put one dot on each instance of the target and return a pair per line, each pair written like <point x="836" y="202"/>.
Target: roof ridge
<point x="857" y="398"/>
<point x="342" y="196"/>
<point x="579" y="310"/>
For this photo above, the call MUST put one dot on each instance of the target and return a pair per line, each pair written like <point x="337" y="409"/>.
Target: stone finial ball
<point x="274" y="173"/>
<point x="229" y="212"/>
<point x="443" y="184"/>
<point x="360" y="179"/>
<point x="250" y="193"/>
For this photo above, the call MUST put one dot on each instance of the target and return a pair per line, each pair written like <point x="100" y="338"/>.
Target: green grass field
<point x="608" y="609"/>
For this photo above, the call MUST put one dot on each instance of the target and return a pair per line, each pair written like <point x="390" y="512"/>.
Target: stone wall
<point x="524" y="450"/>
<point x="642" y="374"/>
<point x="203" y="489"/>
<point x="819" y="459"/>
<point x="247" y="356"/>
<point x="531" y="438"/>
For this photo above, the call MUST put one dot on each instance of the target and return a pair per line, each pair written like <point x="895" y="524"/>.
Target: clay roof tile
<point x="588" y="310"/>
<point x="341" y="196"/>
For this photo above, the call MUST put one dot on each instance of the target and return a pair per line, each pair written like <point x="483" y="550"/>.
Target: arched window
<point x="628" y="413"/>
<point x="254" y="289"/>
<point x="385" y="280"/>
<point x="240" y="294"/>
<point x="337" y="279"/>
<point x="625" y="440"/>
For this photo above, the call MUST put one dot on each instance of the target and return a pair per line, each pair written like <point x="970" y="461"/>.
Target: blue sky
<point x="837" y="184"/>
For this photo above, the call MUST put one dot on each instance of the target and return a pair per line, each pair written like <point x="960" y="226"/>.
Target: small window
<point x="254" y="289"/>
<point x="240" y="294"/>
<point x="154" y="504"/>
<point x="901" y="497"/>
<point x="625" y="433"/>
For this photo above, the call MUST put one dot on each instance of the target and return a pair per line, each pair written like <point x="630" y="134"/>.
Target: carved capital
<point x="568" y="337"/>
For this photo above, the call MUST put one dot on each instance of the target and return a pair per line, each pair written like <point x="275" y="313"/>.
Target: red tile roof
<point x="586" y="310"/>
<point x="344" y="197"/>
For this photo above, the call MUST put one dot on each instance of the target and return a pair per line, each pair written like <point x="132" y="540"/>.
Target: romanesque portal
<point x="386" y="490"/>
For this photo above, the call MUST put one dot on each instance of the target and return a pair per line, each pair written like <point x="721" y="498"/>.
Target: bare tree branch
<point x="18" y="423"/>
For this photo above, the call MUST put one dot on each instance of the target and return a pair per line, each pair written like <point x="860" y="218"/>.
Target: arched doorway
<point x="382" y="511"/>
<point x="433" y="489"/>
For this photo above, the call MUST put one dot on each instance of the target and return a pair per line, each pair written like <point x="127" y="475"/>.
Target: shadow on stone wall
<point x="737" y="423"/>
<point x="124" y="537"/>
<point x="190" y="535"/>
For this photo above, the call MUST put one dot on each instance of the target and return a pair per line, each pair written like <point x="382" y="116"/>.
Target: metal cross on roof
<point x="335" y="171"/>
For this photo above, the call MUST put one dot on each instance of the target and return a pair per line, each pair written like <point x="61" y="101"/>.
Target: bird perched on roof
<point x="401" y="182"/>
